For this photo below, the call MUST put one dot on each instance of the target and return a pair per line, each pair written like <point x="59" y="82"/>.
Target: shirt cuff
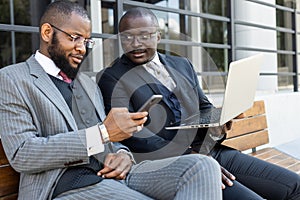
<point x="94" y="143"/>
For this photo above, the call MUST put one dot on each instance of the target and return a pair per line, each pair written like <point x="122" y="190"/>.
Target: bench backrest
<point x="251" y="131"/>
<point x="9" y="178"/>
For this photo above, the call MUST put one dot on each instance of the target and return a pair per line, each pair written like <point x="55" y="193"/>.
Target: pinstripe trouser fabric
<point x="185" y="177"/>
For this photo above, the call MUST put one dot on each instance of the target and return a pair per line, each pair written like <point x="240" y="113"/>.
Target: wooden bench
<point x="250" y="131"/>
<point x="246" y="133"/>
<point x="9" y="178"/>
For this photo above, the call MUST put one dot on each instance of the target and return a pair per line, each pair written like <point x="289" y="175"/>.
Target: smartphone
<point x="154" y="99"/>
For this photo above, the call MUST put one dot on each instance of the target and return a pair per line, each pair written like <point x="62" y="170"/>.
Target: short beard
<point x="60" y="60"/>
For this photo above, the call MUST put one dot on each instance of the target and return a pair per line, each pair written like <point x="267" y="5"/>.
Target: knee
<point x="295" y="188"/>
<point x="206" y="163"/>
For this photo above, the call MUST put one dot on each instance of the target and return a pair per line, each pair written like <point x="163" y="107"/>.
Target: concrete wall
<point x="251" y="37"/>
<point x="283" y="116"/>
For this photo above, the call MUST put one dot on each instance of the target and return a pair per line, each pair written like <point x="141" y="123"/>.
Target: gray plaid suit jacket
<point x="33" y="126"/>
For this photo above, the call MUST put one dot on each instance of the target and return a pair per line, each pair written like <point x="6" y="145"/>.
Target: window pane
<point x="284" y="41"/>
<point x="213" y="31"/>
<point x="285" y="65"/>
<point x="219" y="57"/>
<point x="216" y="7"/>
<point x="107" y="20"/>
<point x="22" y="13"/>
<point x="23" y="47"/>
<point x="5" y="49"/>
<point x="285" y="83"/>
<point x="284" y="19"/>
<point x="289" y="4"/>
<point x="24" y="43"/>
<point x="4" y="10"/>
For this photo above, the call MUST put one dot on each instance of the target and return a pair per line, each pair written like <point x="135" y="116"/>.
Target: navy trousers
<point x="255" y="178"/>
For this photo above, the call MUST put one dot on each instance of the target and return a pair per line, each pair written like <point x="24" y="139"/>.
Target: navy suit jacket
<point x="126" y="84"/>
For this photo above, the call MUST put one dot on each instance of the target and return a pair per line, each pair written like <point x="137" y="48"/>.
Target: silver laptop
<point x="239" y="96"/>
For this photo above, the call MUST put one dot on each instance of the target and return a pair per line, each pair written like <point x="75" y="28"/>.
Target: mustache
<point x="137" y="51"/>
<point x="78" y="56"/>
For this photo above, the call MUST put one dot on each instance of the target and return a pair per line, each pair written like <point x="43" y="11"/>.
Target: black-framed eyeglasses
<point x="89" y="43"/>
<point x="144" y="37"/>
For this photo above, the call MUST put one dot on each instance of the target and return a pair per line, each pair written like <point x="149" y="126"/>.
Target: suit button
<point x="87" y="121"/>
<point x="82" y="112"/>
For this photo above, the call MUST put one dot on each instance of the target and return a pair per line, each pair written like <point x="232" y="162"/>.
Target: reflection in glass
<point x="285" y="65"/>
<point x="289" y="4"/>
<point x="284" y="19"/>
<point x="23" y="49"/>
<point x="4" y="10"/>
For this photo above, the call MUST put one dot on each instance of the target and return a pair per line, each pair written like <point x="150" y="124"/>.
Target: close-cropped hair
<point x="59" y="12"/>
<point x="139" y="12"/>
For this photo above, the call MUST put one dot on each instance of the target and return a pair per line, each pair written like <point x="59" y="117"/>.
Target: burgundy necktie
<point x="65" y="77"/>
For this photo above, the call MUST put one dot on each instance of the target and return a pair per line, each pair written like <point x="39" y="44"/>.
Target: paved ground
<point x="291" y="148"/>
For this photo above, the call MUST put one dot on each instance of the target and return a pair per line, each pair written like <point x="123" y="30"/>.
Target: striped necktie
<point x="161" y="74"/>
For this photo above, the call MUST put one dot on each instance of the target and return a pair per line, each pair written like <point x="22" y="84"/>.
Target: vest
<point x="85" y="116"/>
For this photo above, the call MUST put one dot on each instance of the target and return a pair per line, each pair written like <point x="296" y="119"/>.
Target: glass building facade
<point x="211" y="33"/>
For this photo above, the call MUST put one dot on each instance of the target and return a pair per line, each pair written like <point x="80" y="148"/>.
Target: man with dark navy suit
<point x="56" y="134"/>
<point x="142" y="72"/>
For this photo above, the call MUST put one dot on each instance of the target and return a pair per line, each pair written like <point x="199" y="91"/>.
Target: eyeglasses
<point x="141" y="37"/>
<point x="89" y="43"/>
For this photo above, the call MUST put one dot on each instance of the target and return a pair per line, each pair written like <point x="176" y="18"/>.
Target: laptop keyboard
<point x="205" y="117"/>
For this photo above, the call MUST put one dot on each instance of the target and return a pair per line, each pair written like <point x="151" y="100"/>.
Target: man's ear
<point x="46" y="32"/>
<point x="158" y="36"/>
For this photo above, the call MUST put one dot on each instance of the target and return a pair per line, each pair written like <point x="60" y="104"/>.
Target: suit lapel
<point x="46" y="86"/>
<point x="170" y="67"/>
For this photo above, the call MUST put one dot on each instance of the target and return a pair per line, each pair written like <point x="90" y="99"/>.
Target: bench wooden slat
<point x="278" y="158"/>
<point x="250" y="131"/>
<point x="3" y="159"/>
<point x="9" y="183"/>
<point x="258" y="108"/>
<point x="10" y="197"/>
<point x="248" y="141"/>
<point x="9" y="178"/>
<point x="247" y="125"/>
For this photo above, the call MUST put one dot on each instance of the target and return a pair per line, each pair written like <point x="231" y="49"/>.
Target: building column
<point x="252" y="37"/>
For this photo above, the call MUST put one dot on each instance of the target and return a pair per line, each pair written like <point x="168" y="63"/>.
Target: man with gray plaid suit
<point x="55" y="132"/>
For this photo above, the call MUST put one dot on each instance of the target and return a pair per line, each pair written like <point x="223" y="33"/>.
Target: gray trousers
<point x="186" y="177"/>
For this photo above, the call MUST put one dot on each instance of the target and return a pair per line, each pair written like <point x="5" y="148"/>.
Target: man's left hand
<point x="227" y="178"/>
<point x="116" y="165"/>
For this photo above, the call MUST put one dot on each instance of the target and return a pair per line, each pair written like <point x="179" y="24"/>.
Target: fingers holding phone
<point x="121" y="124"/>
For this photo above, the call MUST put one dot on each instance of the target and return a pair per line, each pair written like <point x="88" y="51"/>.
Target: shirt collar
<point x="156" y="59"/>
<point x="47" y="64"/>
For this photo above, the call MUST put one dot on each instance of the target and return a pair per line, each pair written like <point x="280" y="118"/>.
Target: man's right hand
<point x="120" y="124"/>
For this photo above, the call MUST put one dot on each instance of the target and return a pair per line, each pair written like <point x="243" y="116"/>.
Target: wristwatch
<point x="103" y="133"/>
